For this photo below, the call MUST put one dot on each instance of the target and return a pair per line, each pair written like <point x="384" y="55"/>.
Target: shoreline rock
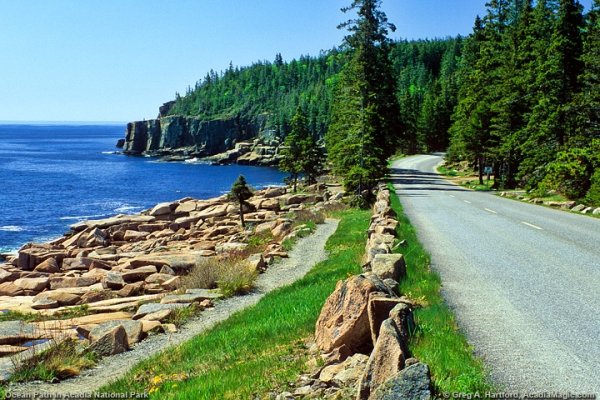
<point x="121" y="267"/>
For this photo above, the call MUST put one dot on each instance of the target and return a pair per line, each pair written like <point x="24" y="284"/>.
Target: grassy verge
<point x="466" y="179"/>
<point x="437" y="340"/>
<point x="259" y="349"/>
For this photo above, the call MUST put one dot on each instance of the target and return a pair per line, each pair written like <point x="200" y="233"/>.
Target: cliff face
<point x="186" y="136"/>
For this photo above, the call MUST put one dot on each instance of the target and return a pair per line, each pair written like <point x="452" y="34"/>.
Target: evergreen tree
<point x="293" y="153"/>
<point x="240" y="193"/>
<point x="587" y="102"/>
<point x="365" y="125"/>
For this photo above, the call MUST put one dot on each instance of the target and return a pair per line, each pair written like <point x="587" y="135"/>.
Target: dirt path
<point x="306" y="254"/>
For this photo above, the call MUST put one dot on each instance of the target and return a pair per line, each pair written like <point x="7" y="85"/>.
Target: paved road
<point x="524" y="280"/>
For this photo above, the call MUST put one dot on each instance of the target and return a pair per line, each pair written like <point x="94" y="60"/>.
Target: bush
<point x="232" y="274"/>
<point x="571" y="172"/>
<point x="593" y="195"/>
<point x="63" y="360"/>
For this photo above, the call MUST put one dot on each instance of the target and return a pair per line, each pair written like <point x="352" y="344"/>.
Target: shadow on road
<point x="412" y="179"/>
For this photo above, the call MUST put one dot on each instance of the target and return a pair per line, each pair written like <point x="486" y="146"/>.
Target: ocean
<point x="52" y="176"/>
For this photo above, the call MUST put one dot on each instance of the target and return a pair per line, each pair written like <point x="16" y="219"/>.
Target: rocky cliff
<point x="178" y="136"/>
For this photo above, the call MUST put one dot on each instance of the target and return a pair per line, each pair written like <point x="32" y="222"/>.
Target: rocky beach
<point x="123" y="276"/>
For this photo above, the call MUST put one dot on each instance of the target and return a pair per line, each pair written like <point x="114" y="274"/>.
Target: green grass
<point x="468" y="182"/>
<point x="437" y="340"/>
<point x="260" y="349"/>
<point x="61" y="361"/>
<point x="74" y="312"/>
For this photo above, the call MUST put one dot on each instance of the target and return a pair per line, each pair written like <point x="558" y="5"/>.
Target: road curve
<point x="523" y="280"/>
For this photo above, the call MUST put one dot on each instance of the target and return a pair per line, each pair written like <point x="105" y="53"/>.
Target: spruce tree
<point x="240" y="193"/>
<point x="365" y="126"/>
<point x="293" y="152"/>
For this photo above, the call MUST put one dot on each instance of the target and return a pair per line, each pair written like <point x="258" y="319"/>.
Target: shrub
<point x="593" y="195"/>
<point x="63" y="360"/>
<point x="570" y="172"/>
<point x="232" y="274"/>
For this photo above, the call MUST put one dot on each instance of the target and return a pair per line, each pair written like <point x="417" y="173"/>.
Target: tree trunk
<point x="480" y="161"/>
<point x="242" y="215"/>
<point x="497" y="175"/>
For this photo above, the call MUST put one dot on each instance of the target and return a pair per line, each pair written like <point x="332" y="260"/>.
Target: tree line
<point x="529" y="97"/>
<point x="520" y="95"/>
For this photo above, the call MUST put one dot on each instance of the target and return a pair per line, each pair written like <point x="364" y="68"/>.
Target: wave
<point x="128" y="208"/>
<point x="111" y="152"/>
<point x="81" y="217"/>
<point x="12" y="228"/>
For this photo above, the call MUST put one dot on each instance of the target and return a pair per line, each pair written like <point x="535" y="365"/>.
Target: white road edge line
<point x="531" y="225"/>
<point x="467" y="201"/>
<point x="492" y="211"/>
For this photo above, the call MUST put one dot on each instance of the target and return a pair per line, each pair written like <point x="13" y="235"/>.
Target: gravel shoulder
<point x="307" y="252"/>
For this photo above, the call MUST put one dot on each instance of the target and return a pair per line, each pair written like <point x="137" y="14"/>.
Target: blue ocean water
<point x="52" y="176"/>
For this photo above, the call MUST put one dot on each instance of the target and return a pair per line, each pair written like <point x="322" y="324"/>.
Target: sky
<point x="119" y="60"/>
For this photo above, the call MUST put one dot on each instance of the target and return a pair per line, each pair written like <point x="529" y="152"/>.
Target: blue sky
<point x="118" y="60"/>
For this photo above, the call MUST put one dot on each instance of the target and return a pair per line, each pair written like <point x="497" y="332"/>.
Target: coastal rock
<point x="133" y="329"/>
<point x="61" y="282"/>
<point x="131" y="289"/>
<point x="48" y="266"/>
<point x="7" y="276"/>
<point x="113" y="281"/>
<point x="161" y="209"/>
<point x="413" y="382"/>
<point x="62" y="298"/>
<point x="33" y="284"/>
<point x="112" y="342"/>
<point x="389" y="266"/>
<point x="386" y="360"/>
<point x="151" y="308"/>
<point x="138" y="274"/>
<point x="344" y="318"/>
<point x="15" y="332"/>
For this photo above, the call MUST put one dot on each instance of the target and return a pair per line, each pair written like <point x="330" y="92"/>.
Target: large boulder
<point x="111" y="342"/>
<point x="10" y="289"/>
<point x="380" y="306"/>
<point x="133" y="329"/>
<point x="48" y="266"/>
<point x="33" y="284"/>
<point x="138" y="274"/>
<point x="8" y="276"/>
<point x="344" y="318"/>
<point x="413" y="382"/>
<point x="386" y="360"/>
<point x="62" y="298"/>
<point x="389" y="266"/>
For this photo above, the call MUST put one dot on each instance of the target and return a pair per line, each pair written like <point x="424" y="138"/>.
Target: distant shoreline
<point x="64" y="123"/>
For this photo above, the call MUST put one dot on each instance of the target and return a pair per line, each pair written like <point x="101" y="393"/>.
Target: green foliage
<point x="593" y="195"/>
<point x="528" y="94"/>
<point x="63" y="360"/>
<point x="570" y="173"/>
<point x="365" y="124"/>
<point x="302" y="154"/>
<point x="240" y="193"/>
<point x="259" y="349"/>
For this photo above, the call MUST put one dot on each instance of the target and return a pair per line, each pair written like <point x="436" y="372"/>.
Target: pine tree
<point x="365" y="126"/>
<point x="291" y="161"/>
<point x="240" y="193"/>
<point x="587" y="102"/>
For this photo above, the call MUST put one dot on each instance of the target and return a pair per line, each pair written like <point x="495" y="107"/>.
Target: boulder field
<point x="126" y="271"/>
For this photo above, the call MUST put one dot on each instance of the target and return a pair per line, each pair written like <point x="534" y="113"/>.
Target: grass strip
<point x="437" y="340"/>
<point x="259" y="349"/>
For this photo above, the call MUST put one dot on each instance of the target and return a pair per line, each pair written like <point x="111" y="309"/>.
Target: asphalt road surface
<point x="523" y="280"/>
